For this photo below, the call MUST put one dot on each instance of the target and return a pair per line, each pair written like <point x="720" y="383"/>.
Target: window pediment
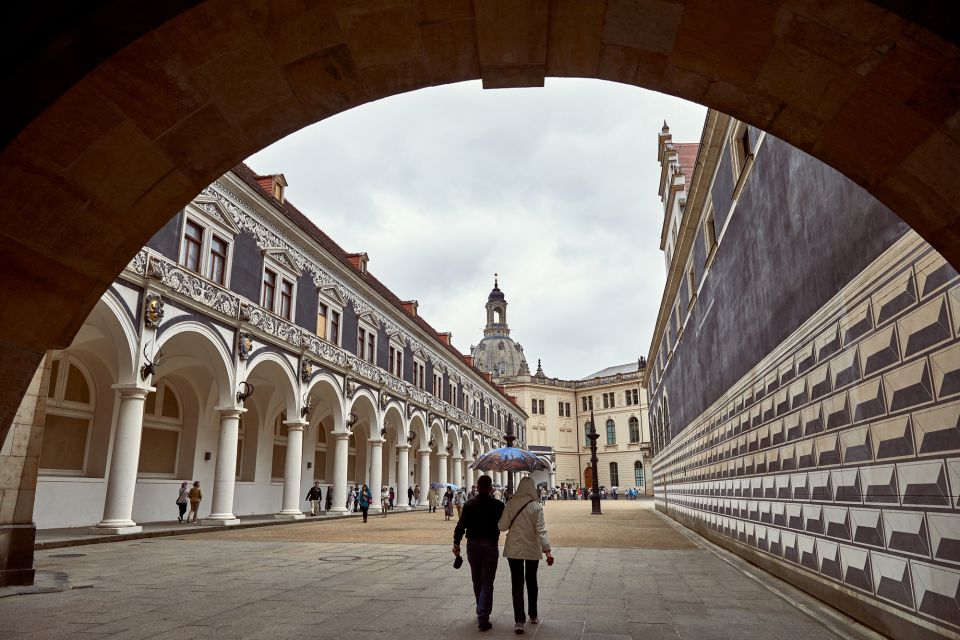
<point x="284" y="259"/>
<point x="213" y="211"/>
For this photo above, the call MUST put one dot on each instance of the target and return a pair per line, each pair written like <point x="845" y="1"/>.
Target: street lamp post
<point x="595" y="489"/>
<point x="510" y="438"/>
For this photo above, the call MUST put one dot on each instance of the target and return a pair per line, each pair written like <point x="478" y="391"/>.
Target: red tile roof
<point x="298" y="218"/>
<point x="687" y="154"/>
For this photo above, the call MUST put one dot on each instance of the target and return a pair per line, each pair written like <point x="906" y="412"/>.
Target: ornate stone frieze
<point x="270" y="324"/>
<point x="153" y="310"/>
<point x="194" y="287"/>
<point x="139" y="263"/>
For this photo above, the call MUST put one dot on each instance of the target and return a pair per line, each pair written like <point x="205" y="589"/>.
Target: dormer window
<point x="273" y="184"/>
<point x="205" y="241"/>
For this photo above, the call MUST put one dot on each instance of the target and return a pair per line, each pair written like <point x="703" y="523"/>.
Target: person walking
<point x="329" y="502"/>
<point x="458" y="501"/>
<point x="351" y="498"/>
<point x="363" y="501"/>
<point x="431" y="500"/>
<point x="313" y="497"/>
<point x="182" y="500"/>
<point x="479" y="522"/>
<point x="195" y="496"/>
<point x="526" y="542"/>
<point x="416" y="496"/>
<point x="393" y="496"/>
<point x="410" y="499"/>
<point x="448" y="504"/>
<point x="384" y="501"/>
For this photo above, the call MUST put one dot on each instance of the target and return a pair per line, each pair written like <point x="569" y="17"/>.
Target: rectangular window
<point x="533" y="405"/>
<point x="541" y="407"/>
<point x="395" y="362"/>
<point x="584" y="403"/>
<point x="322" y="312"/>
<point x="568" y="409"/>
<point x="611" y="432"/>
<point x="606" y="403"/>
<point x="614" y="475"/>
<point x="269" y="289"/>
<point x="361" y="341"/>
<point x="561" y="409"/>
<point x="286" y="299"/>
<point x="218" y="259"/>
<point x="335" y="327"/>
<point x="192" y="246"/>
<point x="437" y="385"/>
<point x="371" y="346"/>
<point x="453" y="394"/>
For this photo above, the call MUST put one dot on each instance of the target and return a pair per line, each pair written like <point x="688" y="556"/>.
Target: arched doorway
<point x="588" y="477"/>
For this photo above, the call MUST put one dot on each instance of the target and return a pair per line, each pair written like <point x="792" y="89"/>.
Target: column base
<point x="375" y="509"/>
<point x="289" y="516"/>
<point x="219" y="522"/>
<point x="116" y="530"/>
<point x="16" y="554"/>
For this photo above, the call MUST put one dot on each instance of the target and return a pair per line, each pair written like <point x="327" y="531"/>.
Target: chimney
<point x="445" y="337"/>
<point x="358" y="261"/>
<point x="468" y="360"/>
<point x="486" y="375"/>
<point x="273" y="184"/>
<point x="410" y="306"/>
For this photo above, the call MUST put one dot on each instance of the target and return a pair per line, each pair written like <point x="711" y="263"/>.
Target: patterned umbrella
<point x="508" y="459"/>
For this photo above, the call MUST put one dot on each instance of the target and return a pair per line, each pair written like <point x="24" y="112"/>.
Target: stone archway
<point x="162" y="104"/>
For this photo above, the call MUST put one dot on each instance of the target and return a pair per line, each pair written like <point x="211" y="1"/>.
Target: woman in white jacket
<point x="526" y="543"/>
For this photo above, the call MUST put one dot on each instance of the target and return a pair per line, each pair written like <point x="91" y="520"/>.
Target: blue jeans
<point x="483" y="556"/>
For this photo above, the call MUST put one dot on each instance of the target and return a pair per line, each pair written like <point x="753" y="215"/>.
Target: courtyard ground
<point x="627" y="574"/>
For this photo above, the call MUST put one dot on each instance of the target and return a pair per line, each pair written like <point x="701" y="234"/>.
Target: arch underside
<point x="861" y="88"/>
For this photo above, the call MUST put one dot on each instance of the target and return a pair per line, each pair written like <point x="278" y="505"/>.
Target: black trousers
<point x="523" y="571"/>
<point x="183" y="509"/>
<point x="364" y="510"/>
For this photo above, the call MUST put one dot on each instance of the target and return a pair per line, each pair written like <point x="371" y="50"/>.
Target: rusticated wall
<point x="835" y="461"/>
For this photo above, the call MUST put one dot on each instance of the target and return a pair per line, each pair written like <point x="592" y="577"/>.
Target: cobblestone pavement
<point x="262" y="583"/>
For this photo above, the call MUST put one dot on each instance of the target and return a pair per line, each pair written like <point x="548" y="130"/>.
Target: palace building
<point x="804" y="379"/>
<point x="559" y="411"/>
<point x="242" y="347"/>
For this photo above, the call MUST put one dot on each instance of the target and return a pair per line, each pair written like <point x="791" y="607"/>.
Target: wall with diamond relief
<point x="835" y="461"/>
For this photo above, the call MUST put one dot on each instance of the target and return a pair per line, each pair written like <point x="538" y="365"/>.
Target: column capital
<point x="340" y="435"/>
<point x="405" y="446"/>
<point x="296" y="425"/>
<point x="424" y="452"/>
<point x="378" y="442"/>
<point x="230" y="412"/>
<point x="457" y="457"/>
<point x="133" y="390"/>
<point x="443" y="454"/>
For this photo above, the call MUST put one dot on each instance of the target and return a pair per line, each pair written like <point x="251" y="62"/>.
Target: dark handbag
<point x="458" y="562"/>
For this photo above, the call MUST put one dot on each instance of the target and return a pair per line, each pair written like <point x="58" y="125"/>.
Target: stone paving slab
<point x="216" y="586"/>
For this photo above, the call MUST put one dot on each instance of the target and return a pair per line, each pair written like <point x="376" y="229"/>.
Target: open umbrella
<point x="508" y="459"/>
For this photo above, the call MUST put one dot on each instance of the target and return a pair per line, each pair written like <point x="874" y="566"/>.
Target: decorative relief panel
<point x="852" y="472"/>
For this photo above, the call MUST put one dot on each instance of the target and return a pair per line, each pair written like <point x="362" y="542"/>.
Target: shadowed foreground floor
<point x="394" y="579"/>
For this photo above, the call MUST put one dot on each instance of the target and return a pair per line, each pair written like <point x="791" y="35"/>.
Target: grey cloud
<point x="554" y="188"/>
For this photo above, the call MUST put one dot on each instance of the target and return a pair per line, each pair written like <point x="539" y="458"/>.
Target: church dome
<point x="501" y="356"/>
<point x="497" y="353"/>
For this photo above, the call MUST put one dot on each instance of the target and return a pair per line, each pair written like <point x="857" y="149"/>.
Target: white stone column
<point x="442" y="467"/>
<point x="457" y="470"/>
<point x="290" y="504"/>
<point x="403" y="476"/>
<point x="424" y="474"/>
<point x="376" y="474"/>
<point x="341" y="450"/>
<point x="122" y="482"/>
<point x="225" y="471"/>
<point x="553" y="479"/>
<point x="468" y="480"/>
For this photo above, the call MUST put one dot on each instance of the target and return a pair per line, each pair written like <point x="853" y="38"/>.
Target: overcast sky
<point x="555" y="189"/>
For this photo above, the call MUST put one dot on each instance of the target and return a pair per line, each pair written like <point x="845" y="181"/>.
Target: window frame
<point x="631" y="422"/>
<point x="611" y="428"/>
<point x="160" y="422"/>
<point x="56" y="405"/>
<point x="282" y="274"/>
<point x="209" y="227"/>
<point x="614" y="474"/>
<point x="367" y="330"/>
<point x="334" y="306"/>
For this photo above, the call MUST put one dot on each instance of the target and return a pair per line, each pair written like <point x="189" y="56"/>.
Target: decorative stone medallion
<point x="153" y="310"/>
